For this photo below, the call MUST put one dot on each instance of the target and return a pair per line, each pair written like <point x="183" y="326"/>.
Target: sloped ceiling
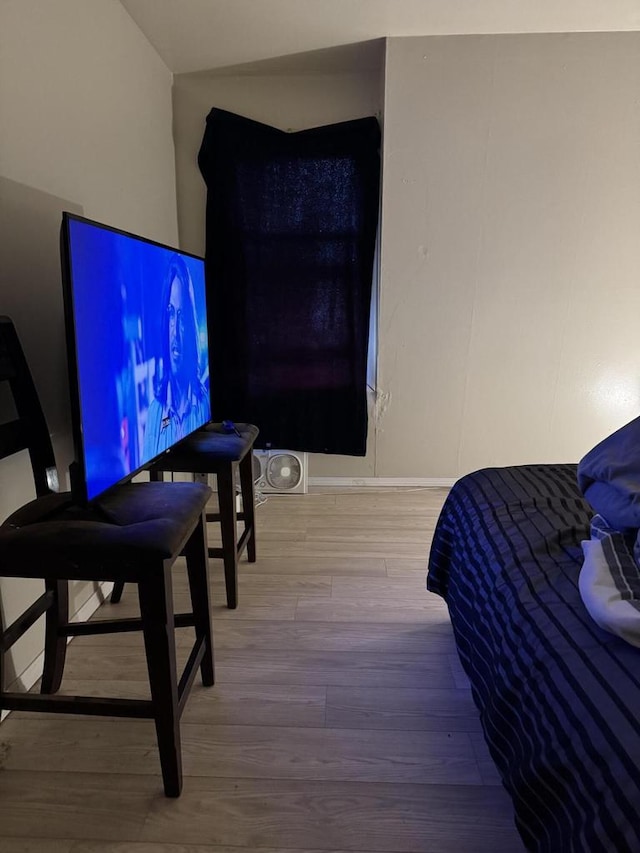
<point x="202" y="35"/>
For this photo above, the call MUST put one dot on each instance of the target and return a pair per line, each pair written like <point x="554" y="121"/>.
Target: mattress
<point x="559" y="698"/>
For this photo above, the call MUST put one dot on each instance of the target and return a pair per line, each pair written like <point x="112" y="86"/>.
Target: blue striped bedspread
<point x="559" y="698"/>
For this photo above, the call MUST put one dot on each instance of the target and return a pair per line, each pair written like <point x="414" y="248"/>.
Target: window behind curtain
<point x="291" y="228"/>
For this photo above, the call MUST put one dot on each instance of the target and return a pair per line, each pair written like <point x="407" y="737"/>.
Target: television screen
<point x="138" y="350"/>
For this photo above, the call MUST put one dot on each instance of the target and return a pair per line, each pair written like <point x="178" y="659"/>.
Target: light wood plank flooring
<point x="340" y="719"/>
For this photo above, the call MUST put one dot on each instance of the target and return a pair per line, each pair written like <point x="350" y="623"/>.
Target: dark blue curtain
<point x="290" y="240"/>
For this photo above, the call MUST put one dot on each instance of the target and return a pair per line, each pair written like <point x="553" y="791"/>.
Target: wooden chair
<point x="133" y="534"/>
<point x="227" y="454"/>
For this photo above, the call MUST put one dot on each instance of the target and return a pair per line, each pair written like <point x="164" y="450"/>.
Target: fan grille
<point x="283" y="471"/>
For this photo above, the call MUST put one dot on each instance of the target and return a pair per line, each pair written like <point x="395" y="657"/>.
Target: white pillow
<point x="609" y="584"/>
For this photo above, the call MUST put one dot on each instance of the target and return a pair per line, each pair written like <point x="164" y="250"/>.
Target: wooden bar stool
<point x="132" y="534"/>
<point x="215" y="450"/>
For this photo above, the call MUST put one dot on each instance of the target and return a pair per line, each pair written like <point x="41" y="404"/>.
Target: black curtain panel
<point x="291" y="229"/>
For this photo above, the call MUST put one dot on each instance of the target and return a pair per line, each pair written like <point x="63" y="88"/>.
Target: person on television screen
<point x="181" y="404"/>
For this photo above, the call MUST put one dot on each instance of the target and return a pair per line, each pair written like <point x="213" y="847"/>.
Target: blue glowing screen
<point x="141" y="349"/>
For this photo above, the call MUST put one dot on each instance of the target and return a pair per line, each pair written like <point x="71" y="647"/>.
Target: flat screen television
<point x="137" y="347"/>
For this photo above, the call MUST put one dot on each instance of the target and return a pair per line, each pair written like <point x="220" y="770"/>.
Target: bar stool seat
<point x="228" y="455"/>
<point x="131" y="526"/>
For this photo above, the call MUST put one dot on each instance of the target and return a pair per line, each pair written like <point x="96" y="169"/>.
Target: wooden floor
<point x="340" y="719"/>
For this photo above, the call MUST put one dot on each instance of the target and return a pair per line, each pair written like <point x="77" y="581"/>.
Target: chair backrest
<point x="27" y="431"/>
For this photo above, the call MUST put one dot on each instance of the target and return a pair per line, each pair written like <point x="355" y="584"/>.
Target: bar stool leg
<point x="2" y="664"/>
<point x="229" y="530"/>
<point x="198" y="573"/>
<point x="156" y="611"/>
<point x="55" y="641"/>
<point x="116" y="592"/>
<point x="248" y="503"/>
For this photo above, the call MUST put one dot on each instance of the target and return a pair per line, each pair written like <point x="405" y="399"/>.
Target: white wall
<point x="293" y="101"/>
<point x="86" y="112"/>
<point x="510" y="250"/>
<point x="85" y="123"/>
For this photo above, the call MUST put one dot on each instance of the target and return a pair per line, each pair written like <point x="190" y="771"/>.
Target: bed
<point x="559" y="698"/>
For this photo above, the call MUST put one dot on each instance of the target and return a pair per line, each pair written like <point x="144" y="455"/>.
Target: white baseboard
<point x="33" y="672"/>
<point x="406" y="482"/>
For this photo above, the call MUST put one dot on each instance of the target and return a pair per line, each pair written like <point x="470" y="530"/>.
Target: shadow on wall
<point x="31" y="294"/>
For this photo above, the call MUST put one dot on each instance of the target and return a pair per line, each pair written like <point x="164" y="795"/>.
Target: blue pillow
<point x="609" y="477"/>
